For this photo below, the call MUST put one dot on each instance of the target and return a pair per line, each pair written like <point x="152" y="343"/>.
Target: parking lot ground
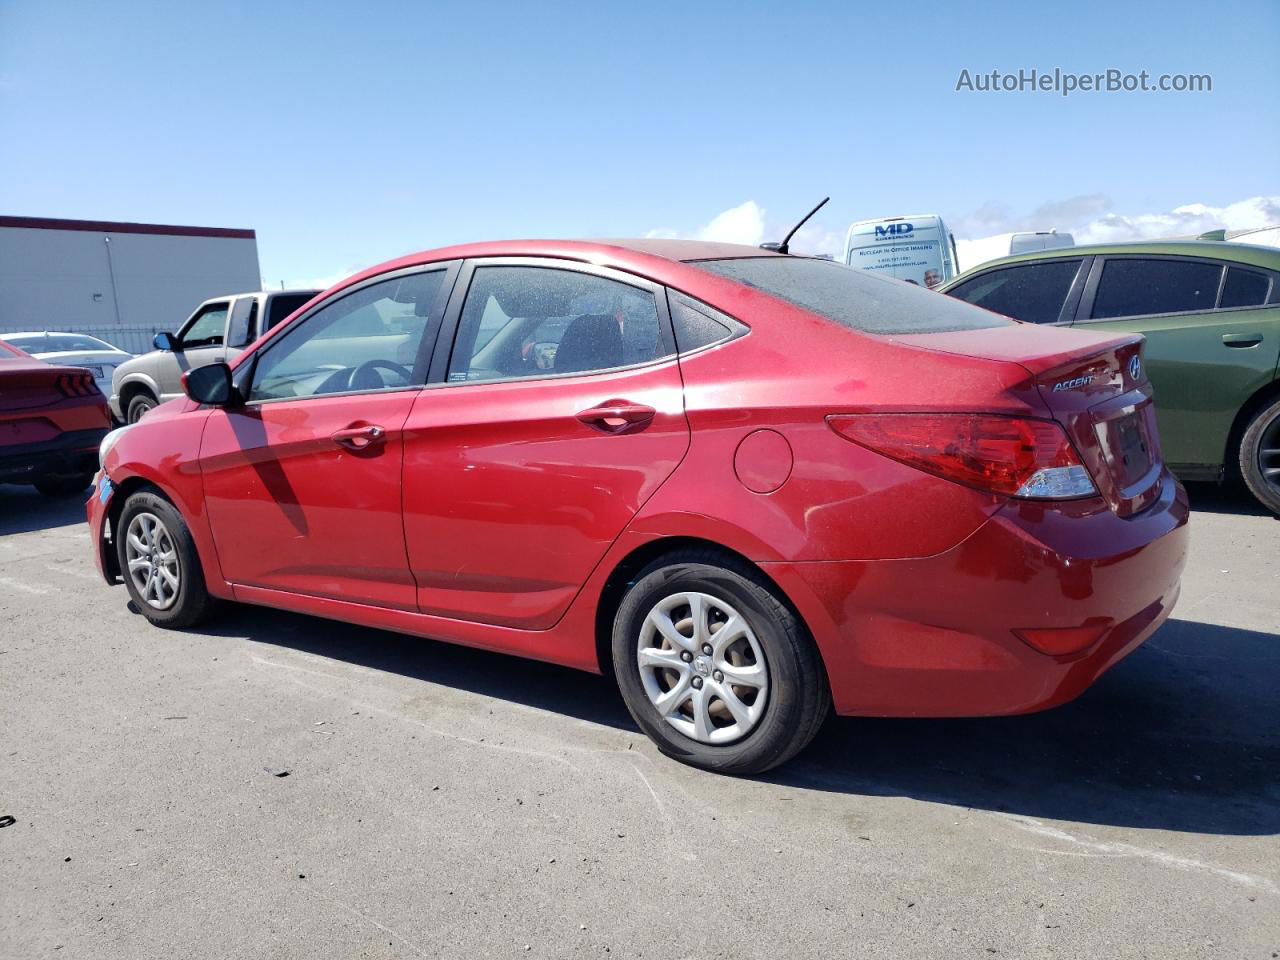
<point x="281" y="786"/>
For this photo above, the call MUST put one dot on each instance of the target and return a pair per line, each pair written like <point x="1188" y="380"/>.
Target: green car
<point x="1211" y="315"/>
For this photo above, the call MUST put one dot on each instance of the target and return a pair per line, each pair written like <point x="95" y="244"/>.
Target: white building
<point x="121" y="282"/>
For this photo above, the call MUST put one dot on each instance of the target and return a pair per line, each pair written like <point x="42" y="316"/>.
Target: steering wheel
<point x="365" y="377"/>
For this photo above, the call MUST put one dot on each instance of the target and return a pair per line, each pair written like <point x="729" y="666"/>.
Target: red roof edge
<point x="110" y="226"/>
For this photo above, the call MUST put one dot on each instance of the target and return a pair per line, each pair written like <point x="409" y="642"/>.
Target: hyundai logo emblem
<point x="1135" y="367"/>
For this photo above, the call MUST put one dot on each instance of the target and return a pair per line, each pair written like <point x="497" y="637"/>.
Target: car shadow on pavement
<point x="23" y="509"/>
<point x="1179" y="736"/>
<point x="1182" y="735"/>
<point x="1231" y="498"/>
<point x="543" y="685"/>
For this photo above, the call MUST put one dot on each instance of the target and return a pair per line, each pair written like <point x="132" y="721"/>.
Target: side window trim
<point x="1099" y="264"/>
<point x="438" y="375"/>
<point x="245" y="372"/>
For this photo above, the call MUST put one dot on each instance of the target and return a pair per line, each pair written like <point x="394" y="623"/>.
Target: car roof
<point x="1246" y="253"/>
<point x="637" y="254"/>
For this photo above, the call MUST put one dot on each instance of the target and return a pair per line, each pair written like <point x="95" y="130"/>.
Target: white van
<point x="918" y="249"/>
<point x="977" y="252"/>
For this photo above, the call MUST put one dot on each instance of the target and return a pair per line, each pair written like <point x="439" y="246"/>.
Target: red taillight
<point x="1011" y="456"/>
<point x="76" y="385"/>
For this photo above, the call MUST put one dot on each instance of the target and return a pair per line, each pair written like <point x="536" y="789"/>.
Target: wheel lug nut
<point x="718" y="676"/>
<point x="686" y="656"/>
<point x="706" y="648"/>
<point x="697" y="683"/>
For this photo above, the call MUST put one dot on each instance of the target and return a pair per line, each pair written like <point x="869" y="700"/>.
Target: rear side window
<point x="1032" y="293"/>
<point x="1132" y="287"/>
<point x="540" y="321"/>
<point x="1244" y="288"/>
<point x="698" y="325"/>
<point x="283" y="305"/>
<point x="852" y="298"/>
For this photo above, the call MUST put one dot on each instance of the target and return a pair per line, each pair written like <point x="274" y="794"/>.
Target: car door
<point x="557" y="414"/>
<point x="201" y="340"/>
<point x="302" y="481"/>
<point x="1037" y="291"/>
<point x="1210" y="343"/>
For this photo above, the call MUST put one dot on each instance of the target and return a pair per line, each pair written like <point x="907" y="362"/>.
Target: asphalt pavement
<point x="275" y="785"/>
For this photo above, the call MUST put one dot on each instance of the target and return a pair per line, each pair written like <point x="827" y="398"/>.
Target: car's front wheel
<point x="1260" y="456"/>
<point x="714" y="667"/>
<point x="159" y="561"/>
<point x="139" y="406"/>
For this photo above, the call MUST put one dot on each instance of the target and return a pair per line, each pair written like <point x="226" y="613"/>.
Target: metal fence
<point x="134" y="338"/>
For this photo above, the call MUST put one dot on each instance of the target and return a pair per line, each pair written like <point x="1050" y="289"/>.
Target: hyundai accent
<point x="755" y="487"/>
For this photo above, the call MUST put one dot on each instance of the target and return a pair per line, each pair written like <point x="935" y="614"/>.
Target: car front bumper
<point x="935" y="636"/>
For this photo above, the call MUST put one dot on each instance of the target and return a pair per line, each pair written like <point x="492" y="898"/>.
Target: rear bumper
<point x="69" y="453"/>
<point x="935" y="636"/>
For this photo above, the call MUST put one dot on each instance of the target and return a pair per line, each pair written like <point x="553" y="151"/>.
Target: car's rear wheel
<point x="64" y="486"/>
<point x="139" y="406"/>
<point x="715" y="667"/>
<point x="1260" y="456"/>
<point x="159" y="561"/>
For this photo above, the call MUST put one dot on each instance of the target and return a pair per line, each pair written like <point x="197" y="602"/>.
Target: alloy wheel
<point x="1269" y="454"/>
<point x="702" y="667"/>
<point x="152" y="559"/>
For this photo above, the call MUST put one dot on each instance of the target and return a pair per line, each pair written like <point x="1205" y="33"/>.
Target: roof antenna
<point x="784" y="246"/>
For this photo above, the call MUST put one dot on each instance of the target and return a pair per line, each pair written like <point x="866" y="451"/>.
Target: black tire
<point x="192" y="602"/>
<point x="1259" y="453"/>
<point x="798" y="696"/>
<point x="139" y="406"/>
<point x="64" y="486"/>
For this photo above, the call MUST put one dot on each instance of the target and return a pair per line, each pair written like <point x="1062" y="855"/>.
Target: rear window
<point x="283" y="305"/>
<point x="853" y="298"/>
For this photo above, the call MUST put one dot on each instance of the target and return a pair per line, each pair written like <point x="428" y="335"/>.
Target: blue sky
<point x="346" y="134"/>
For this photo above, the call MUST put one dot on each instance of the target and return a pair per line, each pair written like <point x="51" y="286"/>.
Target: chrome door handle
<point x="1242" y="340"/>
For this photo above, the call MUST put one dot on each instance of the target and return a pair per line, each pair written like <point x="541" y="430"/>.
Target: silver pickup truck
<point x="219" y="329"/>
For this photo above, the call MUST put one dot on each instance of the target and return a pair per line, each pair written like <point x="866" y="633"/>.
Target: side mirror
<point x="210" y="384"/>
<point x="165" y="341"/>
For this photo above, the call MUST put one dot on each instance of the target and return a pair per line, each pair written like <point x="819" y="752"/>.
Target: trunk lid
<point x="1095" y="386"/>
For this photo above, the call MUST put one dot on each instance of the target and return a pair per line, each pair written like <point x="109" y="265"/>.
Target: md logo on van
<point x="894" y="230"/>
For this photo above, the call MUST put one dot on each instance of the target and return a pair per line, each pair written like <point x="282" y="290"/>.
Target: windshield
<point x="58" y="342"/>
<point x="853" y="298"/>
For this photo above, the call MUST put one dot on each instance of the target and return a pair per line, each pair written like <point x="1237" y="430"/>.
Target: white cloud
<point x="983" y="234"/>
<point x="741" y="224"/>
<point x="747" y="223"/>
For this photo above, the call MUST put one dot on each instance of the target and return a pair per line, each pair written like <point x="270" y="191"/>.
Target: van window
<point x="1031" y="292"/>
<point x="855" y="299"/>
<point x="1244" y="288"/>
<point x="1132" y="287"/>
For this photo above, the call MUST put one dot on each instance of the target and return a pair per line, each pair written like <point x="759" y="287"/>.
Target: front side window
<point x="1244" y="288"/>
<point x="540" y="321"/>
<point x="1032" y="292"/>
<point x="856" y="299"/>
<point x="367" y="340"/>
<point x="1134" y="287"/>
<point x="208" y="327"/>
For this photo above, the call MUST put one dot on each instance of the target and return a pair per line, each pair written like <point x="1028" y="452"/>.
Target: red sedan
<point x="754" y="486"/>
<point x="52" y="419"/>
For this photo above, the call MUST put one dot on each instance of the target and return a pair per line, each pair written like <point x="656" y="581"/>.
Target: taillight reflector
<point x="1011" y="456"/>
